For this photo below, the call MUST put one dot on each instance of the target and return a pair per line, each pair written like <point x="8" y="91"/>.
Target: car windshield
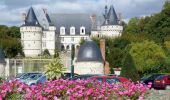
<point x="112" y="80"/>
<point x="35" y="77"/>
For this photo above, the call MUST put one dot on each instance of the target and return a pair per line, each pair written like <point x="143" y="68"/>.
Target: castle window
<point x="72" y="31"/>
<point x="62" y="30"/>
<point x="44" y="35"/>
<point x="44" y="44"/>
<point x="82" y="30"/>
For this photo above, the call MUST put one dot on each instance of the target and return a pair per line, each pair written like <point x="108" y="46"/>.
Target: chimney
<point x="103" y="48"/>
<point x="120" y="18"/>
<point x="23" y="17"/>
<point x="93" y="20"/>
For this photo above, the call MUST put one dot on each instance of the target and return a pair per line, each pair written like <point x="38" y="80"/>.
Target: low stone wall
<point x="158" y="95"/>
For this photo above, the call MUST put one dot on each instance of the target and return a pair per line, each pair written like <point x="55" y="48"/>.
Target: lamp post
<point x="72" y="58"/>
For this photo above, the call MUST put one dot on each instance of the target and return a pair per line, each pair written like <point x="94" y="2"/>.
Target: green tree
<point x="133" y="26"/>
<point x="46" y="53"/>
<point x="114" y="57"/>
<point x="129" y="69"/>
<point x="56" y="53"/>
<point x="54" y="70"/>
<point x="147" y="55"/>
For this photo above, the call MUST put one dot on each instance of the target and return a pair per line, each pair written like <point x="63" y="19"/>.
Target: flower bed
<point x="73" y="90"/>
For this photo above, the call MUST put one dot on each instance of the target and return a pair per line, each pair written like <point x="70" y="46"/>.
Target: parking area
<point x="158" y="95"/>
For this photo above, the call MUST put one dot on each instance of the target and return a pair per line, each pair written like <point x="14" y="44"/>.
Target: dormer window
<point x="72" y="31"/>
<point x="82" y="30"/>
<point x="62" y="30"/>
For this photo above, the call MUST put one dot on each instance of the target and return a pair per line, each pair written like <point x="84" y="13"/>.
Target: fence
<point x="12" y="67"/>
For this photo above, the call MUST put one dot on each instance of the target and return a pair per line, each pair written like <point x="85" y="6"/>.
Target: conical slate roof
<point x="88" y="52"/>
<point x="31" y="19"/>
<point x="111" y="17"/>
<point x="113" y="20"/>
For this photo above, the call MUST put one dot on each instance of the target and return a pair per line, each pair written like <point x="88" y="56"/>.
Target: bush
<point x="128" y="69"/>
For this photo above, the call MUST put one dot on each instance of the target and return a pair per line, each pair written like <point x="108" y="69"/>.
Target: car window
<point x="160" y="77"/>
<point x="112" y="80"/>
<point x="35" y="77"/>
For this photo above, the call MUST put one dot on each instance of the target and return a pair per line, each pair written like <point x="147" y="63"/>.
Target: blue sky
<point x="11" y="10"/>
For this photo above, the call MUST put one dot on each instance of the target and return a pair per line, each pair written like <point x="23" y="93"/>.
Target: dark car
<point x="83" y="77"/>
<point x="68" y="75"/>
<point x="110" y="79"/>
<point x="162" y="82"/>
<point x="150" y="79"/>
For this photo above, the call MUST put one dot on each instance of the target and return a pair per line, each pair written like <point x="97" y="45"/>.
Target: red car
<point x="162" y="82"/>
<point x="110" y="79"/>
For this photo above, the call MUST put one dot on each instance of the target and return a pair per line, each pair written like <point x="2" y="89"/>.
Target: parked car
<point x="36" y="79"/>
<point x="110" y="79"/>
<point x="24" y="76"/>
<point x="83" y="77"/>
<point x="150" y="79"/>
<point x="68" y="75"/>
<point x="162" y="82"/>
<point x="32" y="78"/>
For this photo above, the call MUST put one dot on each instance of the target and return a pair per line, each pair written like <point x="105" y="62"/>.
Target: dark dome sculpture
<point x="89" y="51"/>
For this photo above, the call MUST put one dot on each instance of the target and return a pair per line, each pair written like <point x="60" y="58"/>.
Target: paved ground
<point x="158" y="95"/>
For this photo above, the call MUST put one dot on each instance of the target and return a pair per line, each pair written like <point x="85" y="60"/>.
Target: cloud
<point x="11" y="10"/>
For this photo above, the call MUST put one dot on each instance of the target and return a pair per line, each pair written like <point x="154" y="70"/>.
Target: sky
<point x="11" y="10"/>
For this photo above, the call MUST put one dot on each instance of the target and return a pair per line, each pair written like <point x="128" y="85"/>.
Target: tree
<point x="46" y="53"/>
<point x="114" y="57"/>
<point x="129" y="69"/>
<point x="133" y="26"/>
<point x="56" y="53"/>
<point x="54" y="70"/>
<point x="146" y="55"/>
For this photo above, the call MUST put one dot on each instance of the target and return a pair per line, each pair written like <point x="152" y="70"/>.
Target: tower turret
<point x="31" y="35"/>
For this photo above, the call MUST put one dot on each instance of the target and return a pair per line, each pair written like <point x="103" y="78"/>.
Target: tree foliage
<point x="129" y="69"/>
<point x="147" y="55"/>
<point x="9" y="41"/>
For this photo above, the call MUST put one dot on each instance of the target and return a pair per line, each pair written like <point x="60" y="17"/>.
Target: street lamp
<point x="72" y="58"/>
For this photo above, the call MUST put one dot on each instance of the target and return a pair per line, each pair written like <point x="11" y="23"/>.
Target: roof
<point x="72" y="20"/>
<point x="31" y="19"/>
<point x="111" y="17"/>
<point x="89" y="52"/>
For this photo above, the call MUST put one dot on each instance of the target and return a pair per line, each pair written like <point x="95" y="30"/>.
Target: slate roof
<point x="110" y="17"/>
<point x="88" y="52"/>
<point x="72" y="20"/>
<point x="31" y="19"/>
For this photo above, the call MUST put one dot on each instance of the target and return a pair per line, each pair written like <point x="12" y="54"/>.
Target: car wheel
<point x="167" y="87"/>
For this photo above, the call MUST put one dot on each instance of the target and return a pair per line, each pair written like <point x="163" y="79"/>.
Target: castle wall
<point x="31" y="37"/>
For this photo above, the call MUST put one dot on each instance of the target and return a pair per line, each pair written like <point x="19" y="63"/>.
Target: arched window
<point x="82" y="30"/>
<point x="72" y="30"/>
<point x="62" y="30"/>
<point x="68" y="47"/>
<point x="62" y="47"/>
